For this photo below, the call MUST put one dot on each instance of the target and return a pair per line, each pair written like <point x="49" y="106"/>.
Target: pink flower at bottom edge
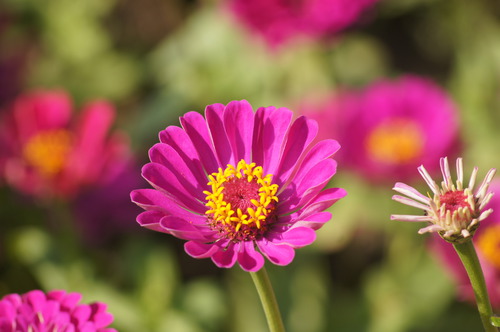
<point x="52" y="311"/>
<point x="238" y="185"/>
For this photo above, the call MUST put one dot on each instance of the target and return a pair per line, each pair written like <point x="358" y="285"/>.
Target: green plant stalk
<point x="468" y="256"/>
<point x="268" y="300"/>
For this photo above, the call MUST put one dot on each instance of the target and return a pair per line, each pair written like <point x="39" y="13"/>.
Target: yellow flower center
<point x="395" y="141"/>
<point x="488" y="244"/>
<point x="47" y="151"/>
<point x="241" y="202"/>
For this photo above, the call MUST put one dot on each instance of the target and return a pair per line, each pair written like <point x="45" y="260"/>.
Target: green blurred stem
<point x="268" y="300"/>
<point x="468" y="255"/>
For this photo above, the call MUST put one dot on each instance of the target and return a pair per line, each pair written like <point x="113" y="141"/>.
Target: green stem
<point x="268" y="300"/>
<point x="468" y="255"/>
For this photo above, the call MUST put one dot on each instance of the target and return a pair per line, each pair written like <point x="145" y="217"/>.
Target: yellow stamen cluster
<point x="396" y="141"/>
<point x="488" y="243"/>
<point x="47" y="151"/>
<point x="257" y="193"/>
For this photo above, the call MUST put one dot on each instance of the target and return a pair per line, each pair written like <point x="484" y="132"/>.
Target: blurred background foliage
<point x="157" y="59"/>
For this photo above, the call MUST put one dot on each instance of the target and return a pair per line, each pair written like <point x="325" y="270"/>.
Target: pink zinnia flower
<point x="486" y="241"/>
<point x="281" y="20"/>
<point x="391" y="127"/>
<point x="54" y="311"/>
<point x="452" y="210"/>
<point x="45" y="152"/>
<point x="236" y="181"/>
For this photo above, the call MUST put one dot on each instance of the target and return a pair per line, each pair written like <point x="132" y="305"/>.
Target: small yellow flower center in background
<point x="395" y="141"/>
<point x="241" y="201"/>
<point x="488" y="244"/>
<point x="47" y="151"/>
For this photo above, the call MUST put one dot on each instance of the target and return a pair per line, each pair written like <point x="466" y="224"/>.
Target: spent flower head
<point x="238" y="185"/>
<point x="486" y="241"/>
<point x="451" y="210"/>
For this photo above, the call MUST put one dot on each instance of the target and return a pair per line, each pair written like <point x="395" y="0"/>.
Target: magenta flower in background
<point x="46" y="152"/>
<point x="279" y="21"/>
<point x="235" y="181"/>
<point x="487" y="241"/>
<point x="391" y="127"/>
<point x="54" y="311"/>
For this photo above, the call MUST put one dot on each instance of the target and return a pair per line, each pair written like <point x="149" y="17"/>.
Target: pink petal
<point x="277" y="254"/>
<point x="200" y="250"/>
<point x="185" y="230"/>
<point x="81" y="313"/>
<point x="103" y="319"/>
<point x="214" y="115"/>
<point x="94" y="125"/>
<point x="7" y="310"/>
<point x="238" y="123"/>
<point x="249" y="259"/>
<point x="322" y="150"/>
<point x="298" y="237"/>
<point x="36" y="299"/>
<point x="162" y="178"/>
<point x="85" y="327"/>
<point x="86" y="158"/>
<point x="297" y="194"/>
<point x="167" y="156"/>
<point x="151" y="220"/>
<point x="196" y="127"/>
<point x="179" y="140"/>
<point x="50" y="310"/>
<point x="226" y="257"/>
<point x="15" y="299"/>
<point x="58" y="295"/>
<point x="300" y="135"/>
<point x="322" y="201"/>
<point x="41" y="110"/>
<point x="270" y="127"/>
<point x="100" y="317"/>
<point x="314" y="221"/>
<point x="153" y="200"/>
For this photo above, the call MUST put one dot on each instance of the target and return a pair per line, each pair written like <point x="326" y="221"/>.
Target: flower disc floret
<point x="453" y="211"/>
<point x="396" y="141"/>
<point x="47" y="151"/>
<point x="241" y="202"/>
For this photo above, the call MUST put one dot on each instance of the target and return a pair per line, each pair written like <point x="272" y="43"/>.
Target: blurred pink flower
<point x="487" y="241"/>
<point x="46" y="153"/>
<point x="54" y="311"/>
<point x="235" y="180"/>
<point x="279" y="21"/>
<point x="391" y="127"/>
